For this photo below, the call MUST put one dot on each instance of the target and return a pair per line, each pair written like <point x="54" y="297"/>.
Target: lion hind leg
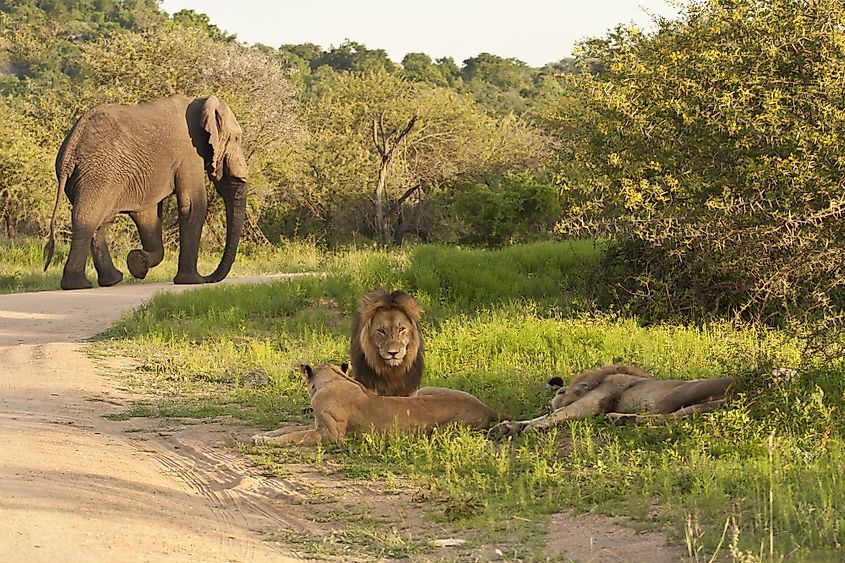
<point x="331" y="428"/>
<point x="276" y="432"/>
<point x="684" y="412"/>
<point x="693" y="393"/>
<point x="691" y="410"/>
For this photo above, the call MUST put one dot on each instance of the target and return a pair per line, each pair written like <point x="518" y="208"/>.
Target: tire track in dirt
<point x="231" y="483"/>
<point x="73" y="485"/>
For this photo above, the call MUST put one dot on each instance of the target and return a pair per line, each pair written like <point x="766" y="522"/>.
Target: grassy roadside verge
<point x="498" y="324"/>
<point x="21" y="264"/>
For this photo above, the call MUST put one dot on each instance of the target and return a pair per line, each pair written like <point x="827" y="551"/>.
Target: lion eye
<point x="381" y="332"/>
<point x="401" y="329"/>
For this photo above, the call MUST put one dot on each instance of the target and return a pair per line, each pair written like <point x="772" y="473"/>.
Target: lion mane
<point x="387" y="322"/>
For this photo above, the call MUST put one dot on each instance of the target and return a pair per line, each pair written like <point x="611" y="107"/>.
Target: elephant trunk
<point x="235" y="200"/>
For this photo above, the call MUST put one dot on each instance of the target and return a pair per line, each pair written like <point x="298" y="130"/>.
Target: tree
<point x="498" y="71"/>
<point x="198" y="20"/>
<point x="25" y="166"/>
<point x="352" y="56"/>
<point x="306" y="51"/>
<point x="379" y="147"/>
<point x="418" y="67"/>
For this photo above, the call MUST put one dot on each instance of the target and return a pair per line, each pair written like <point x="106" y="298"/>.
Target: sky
<point x="534" y="31"/>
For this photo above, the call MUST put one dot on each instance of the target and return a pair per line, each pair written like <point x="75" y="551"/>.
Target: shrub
<point x="712" y="150"/>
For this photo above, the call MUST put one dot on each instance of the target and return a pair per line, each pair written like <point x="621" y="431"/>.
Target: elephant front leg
<point x="107" y="274"/>
<point x="192" y="209"/>
<point x="148" y="223"/>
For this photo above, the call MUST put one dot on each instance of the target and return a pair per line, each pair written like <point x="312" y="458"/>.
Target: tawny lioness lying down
<point x="342" y="405"/>
<point x="624" y="393"/>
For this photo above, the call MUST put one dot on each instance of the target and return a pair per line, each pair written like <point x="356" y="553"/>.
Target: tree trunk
<point x="10" y="228"/>
<point x="385" y="144"/>
<point x="381" y="226"/>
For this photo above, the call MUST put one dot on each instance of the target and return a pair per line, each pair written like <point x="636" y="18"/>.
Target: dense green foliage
<point x="712" y="151"/>
<point x="308" y="116"/>
<point x="705" y="155"/>
<point x="499" y="324"/>
<point x="705" y="151"/>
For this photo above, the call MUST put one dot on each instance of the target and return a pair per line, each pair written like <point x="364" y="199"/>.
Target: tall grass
<point x="499" y="324"/>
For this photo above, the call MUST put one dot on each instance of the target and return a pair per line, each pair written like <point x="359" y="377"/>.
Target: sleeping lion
<point x="342" y="405"/>
<point x="625" y="394"/>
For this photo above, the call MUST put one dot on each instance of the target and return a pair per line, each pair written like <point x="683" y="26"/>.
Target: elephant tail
<point x="50" y="247"/>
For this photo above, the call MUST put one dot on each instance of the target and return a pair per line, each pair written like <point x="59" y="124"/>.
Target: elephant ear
<point x="212" y="122"/>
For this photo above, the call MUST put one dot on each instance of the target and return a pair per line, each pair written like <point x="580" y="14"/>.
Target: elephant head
<point x="227" y="168"/>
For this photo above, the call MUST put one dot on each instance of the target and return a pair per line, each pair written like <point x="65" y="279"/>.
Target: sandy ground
<point x="75" y="486"/>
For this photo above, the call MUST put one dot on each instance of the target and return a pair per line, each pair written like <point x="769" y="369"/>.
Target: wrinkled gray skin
<point x="128" y="159"/>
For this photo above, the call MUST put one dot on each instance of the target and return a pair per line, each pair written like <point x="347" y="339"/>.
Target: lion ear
<point x="344" y="367"/>
<point x="306" y="371"/>
<point x="555" y="382"/>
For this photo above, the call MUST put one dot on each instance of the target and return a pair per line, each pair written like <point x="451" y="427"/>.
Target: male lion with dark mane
<point x="342" y="405"/>
<point x="386" y="345"/>
<point x="624" y="393"/>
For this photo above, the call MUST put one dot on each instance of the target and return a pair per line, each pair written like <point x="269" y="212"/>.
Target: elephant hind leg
<point x="148" y="223"/>
<point x="73" y="276"/>
<point x="107" y="274"/>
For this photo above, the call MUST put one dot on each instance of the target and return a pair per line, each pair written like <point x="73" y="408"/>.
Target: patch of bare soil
<point x="593" y="538"/>
<point x="307" y="510"/>
<point x="73" y="485"/>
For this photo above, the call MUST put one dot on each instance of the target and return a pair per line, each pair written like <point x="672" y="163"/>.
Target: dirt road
<point x="75" y="486"/>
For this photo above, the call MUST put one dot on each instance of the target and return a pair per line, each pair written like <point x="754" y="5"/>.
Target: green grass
<point x="499" y="324"/>
<point x="22" y="262"/>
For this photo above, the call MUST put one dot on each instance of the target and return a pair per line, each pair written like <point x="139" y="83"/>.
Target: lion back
<point x="368" y="368"/>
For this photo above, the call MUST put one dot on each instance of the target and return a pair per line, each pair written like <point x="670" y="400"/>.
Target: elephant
<point x="128" y="159"/>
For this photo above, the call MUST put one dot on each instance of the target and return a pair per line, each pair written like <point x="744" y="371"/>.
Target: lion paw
<point x="624" y="418"/>
<point x="505" y="429"/>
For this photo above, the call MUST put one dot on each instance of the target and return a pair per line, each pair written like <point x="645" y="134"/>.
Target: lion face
<point x="568" y="395"/>
<point x="386" y="346"/>
<point x="391" y="331"/>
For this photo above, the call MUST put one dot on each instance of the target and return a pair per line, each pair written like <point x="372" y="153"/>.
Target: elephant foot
<point x="138" y="264"/>
<point x="75" y="281"/>
<point x="109" y="279"/>
<point x="182" y="278"/>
